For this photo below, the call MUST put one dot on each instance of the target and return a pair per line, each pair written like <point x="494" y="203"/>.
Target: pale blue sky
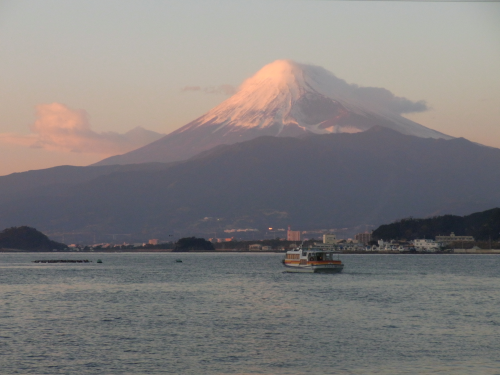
<point x="125" y="62"/>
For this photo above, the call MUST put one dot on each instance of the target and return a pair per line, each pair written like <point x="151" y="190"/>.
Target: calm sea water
<point x="240" y="314"/>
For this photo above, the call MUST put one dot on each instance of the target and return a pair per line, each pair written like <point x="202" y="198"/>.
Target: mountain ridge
<point x="318" y="181"/>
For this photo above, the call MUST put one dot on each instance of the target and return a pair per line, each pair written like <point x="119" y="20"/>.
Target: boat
<point x="178" y="260"/>
<point x="99" y="261"/>
<point x="313" y="260"/>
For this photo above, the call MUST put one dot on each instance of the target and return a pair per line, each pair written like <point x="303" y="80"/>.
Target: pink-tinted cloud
<point x="60" y="128"/>
<point x="222" y="89"/>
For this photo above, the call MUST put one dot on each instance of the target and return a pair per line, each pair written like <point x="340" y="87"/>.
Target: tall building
<point x="293" y="235"/>
<point x="363" y="237"/>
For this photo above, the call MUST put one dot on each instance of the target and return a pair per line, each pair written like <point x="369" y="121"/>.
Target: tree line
<point x="483" y="226"/>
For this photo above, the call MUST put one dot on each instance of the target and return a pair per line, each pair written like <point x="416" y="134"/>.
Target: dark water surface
<point x="240" y="314"/>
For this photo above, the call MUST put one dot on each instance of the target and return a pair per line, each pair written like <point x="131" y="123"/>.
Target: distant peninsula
<point x="25" y="238"/>
<point x="483" y="226"/>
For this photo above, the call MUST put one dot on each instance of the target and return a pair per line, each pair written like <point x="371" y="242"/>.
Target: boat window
<point x="321" y="256"/>
<point x="304" y="253"/>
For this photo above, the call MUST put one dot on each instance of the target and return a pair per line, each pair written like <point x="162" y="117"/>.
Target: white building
<point x="425" y="245"/>
<point x="329" y="239"/>
<point x="389" y="246"/>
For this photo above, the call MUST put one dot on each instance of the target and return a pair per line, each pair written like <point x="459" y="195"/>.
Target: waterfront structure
<point x="390" y="246"/>
<point x="351" y="246"/>
<point x="426" y="245"/>
<point x="153" y="241"/>
<point x="453" y="238"/>
<point x="330" y="242"/>
<point x="255" y="247"/>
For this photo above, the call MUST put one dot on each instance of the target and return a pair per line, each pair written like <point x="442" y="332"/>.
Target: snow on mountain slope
<point x="285" y="98"/>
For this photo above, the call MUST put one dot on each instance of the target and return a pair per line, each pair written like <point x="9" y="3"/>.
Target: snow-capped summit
<point x="285" y="98"/>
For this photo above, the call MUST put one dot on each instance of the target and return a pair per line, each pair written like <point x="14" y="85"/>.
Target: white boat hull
<point x="327" y="268"/>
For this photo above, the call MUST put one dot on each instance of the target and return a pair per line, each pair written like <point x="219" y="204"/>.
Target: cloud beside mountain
<point x="386" y="99"/>
<point x="374" y="97"/>
<point x="58" y="127"/>
<point x="378" y="97"/>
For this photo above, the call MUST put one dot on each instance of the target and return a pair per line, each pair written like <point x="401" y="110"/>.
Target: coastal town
<point x="361" y="243"/>
<point x="477" y="233"/>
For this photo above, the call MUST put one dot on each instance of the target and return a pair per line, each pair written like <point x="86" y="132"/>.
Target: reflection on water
<point x="240" y="314"/>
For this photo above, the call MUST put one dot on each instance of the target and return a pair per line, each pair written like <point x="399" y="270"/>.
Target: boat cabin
<point x="311" y="255"/>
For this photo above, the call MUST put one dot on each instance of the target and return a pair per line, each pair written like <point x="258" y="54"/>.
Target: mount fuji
<point x="285" y="99"/>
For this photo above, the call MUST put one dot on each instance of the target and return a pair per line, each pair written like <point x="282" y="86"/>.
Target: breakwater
<point x="63" y="261"/>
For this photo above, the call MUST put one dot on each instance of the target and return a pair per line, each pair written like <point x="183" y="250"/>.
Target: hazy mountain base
<point x="320" y="181"/>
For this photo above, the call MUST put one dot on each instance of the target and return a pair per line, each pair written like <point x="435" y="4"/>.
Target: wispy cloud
<point x="222" y="89"/>
<point x="60" y="128"/>
<point x="371" y="96"/>
<point x="386" y="99"/>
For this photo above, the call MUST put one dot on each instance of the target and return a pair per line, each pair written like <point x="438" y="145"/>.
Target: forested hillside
<point x="26" y="238"/>
<point x="481" y="225"/>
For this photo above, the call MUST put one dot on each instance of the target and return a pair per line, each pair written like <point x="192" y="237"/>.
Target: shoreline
<point x="454" y="251"/>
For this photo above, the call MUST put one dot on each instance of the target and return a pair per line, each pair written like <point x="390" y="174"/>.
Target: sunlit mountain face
<point x="284" y="99"/>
